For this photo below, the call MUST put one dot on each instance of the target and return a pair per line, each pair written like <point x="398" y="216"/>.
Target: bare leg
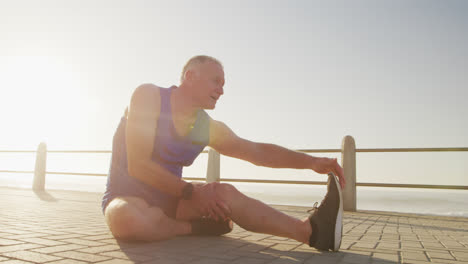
<point x="254" y="215"/>
<point x="132" y="218"/>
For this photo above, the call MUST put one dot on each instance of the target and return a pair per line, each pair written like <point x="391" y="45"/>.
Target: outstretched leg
<point x="252" y="215"/>
<point x="255" y="216"/>
<point x="325" y="221"/>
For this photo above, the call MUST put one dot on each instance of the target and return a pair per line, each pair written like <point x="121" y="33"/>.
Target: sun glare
<point x="38" y="93"/>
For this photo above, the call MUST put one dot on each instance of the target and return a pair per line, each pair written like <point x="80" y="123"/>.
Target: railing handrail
<point x="441" y="149"/>
<point x="348" y="159"/>
<point x="445" y="149"/>
<point x="362" y="184"/>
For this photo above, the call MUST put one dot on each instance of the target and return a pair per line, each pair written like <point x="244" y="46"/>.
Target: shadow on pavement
<point x="233" y="250"/>
<point x="45" y="196"/>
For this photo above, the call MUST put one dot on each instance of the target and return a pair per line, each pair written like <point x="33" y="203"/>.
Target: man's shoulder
<point x="147" y="88"/>
<point x="146" y="97"/>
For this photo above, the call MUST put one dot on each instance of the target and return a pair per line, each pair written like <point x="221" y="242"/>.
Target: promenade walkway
<point x="68" y="227"/>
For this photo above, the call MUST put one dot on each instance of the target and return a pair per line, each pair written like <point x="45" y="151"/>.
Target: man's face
<point x="208" y="82"/>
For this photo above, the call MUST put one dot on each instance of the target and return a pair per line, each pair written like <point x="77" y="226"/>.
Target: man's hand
<point x="327" y="165"/>
<point x="208" y="203"/>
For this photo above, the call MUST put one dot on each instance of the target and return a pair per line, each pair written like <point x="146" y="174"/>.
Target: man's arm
<point x="140" y="135"/>
<point x="226" y="142"/>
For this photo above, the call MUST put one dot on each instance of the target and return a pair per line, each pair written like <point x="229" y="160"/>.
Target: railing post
<point x="348" y="159"/>
<point x="213" y="170"/>
<point x="39" y="172"/>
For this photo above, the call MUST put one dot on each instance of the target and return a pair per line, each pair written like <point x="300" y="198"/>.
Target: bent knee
<point x="227" y="191"/>
<point x="123" y="219"/>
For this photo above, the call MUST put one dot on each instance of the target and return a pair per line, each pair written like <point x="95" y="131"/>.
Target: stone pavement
<point x="68" y="227"/>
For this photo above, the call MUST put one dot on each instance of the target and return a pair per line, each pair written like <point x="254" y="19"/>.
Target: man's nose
<point x="221" y="91"/>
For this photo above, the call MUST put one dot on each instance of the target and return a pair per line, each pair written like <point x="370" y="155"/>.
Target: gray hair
<point x="197" y="60"/>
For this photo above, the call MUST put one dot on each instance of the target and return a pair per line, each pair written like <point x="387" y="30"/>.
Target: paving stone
<point x="207" y="253"/>
<point x="67" y="261"/>
<point x="411" y="244"/>
<point x="284" y="247"/>
<point x="324" y="259"/>
<point x="42" y="241"/>
<point x="16" y="261"/>
<point x="368" y="245"/>
<point x="66" y="236"/>
<point x="111" y="241"/>
<point x="444" y="261"/>
<point x="244" y="260"/>
<point x="286" y="260"/>
<point x="461" y="255"/>
<point x="164" y="260"/>
<point x="8" y="242"/>
<point x="18" y="232"/>
<point x="414" y="256"/>
<point x="31" y="256"/>
<point x="452" y="244"/>
<point x="356" y="259"/>
<point x="30" y="235"/>
<point x="116" y="261"/>
<point x="100" y="237"/>
<point x="81" y="256"/>
<point x="256" y="237"/>
<point x="389" y="245"/>
<point x="19" y="247"/>
<point x="83" y="242"/>
<point x="385" y="257"/>
<point x="99" y="249"/>
<point x="249" y="254"/>
<point x="433" y="245"/>
<point x="440" y="255"/>
<point x="55" y="249"/>
<point x="209" y="261"/>
<point x="126" y="256"/>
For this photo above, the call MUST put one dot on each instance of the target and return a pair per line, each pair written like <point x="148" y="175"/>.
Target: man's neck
<point x="183" y="104"/>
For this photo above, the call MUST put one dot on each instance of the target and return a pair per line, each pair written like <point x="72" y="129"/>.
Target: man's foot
<point x="208" y="227"/>
<point x="327" y="219"/>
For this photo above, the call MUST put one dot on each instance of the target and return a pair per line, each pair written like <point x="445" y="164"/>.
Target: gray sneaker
<point x="328" y="218"/>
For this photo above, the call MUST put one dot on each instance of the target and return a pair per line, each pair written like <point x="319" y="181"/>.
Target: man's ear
<point x="190" y="75"/>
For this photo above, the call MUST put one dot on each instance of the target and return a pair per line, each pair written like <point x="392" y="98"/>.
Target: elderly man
<point x="165" y="129"/>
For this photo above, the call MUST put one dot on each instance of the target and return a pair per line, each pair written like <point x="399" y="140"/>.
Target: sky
<point x="300" y="74"/>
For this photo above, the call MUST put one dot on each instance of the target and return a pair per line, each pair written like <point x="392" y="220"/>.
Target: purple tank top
<point x="170" y="151"/>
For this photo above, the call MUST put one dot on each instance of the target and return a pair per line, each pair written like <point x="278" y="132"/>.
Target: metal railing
<point x="348" y="151"/>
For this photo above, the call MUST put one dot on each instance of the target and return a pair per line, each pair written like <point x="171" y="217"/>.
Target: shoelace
<point x="322" y="203"/>
<point x="314" y="207"/>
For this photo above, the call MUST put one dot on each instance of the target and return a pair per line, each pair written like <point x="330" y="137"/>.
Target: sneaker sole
<point x="339" y="217"/>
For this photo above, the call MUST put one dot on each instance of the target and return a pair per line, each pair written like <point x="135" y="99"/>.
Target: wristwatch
<point x="187" y="191"/>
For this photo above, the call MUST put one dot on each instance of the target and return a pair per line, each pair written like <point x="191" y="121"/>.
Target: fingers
<point x="213" y="213"/>
<point x="341" y="179"/>
<point x="224" y="207"/>
<point x="338" y="170"/>
<point x="203" y="211"/>
<point x="218" y="212"/>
